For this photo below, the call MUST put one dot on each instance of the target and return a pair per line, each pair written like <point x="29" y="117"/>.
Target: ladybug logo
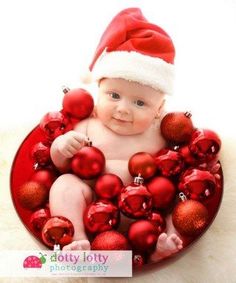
<point x="33" y="261"/>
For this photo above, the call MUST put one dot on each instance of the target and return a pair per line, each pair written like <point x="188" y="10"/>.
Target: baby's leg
<point x="69" y="196"/>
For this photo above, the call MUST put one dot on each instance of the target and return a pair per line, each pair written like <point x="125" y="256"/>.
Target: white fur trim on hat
<point x="137" y="67"/>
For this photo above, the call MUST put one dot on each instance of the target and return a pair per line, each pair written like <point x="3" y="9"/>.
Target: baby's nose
<point x="123" y="107"/>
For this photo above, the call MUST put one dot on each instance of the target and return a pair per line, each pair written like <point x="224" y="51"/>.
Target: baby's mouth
<point x="121" y="120"/>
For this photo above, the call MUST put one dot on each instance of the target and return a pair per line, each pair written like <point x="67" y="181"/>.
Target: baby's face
<point x="127" y="108"/>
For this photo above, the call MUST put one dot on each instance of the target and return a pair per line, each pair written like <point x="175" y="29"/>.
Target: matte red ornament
<point x="58" y="230"/>
<point x="41" y="154"/>
<point x="169" y="162"/>
<point x="77" y="103"/>
<point x="142" y="163"/>
<point x="205" y="144"/>
<point x="143" y="235"/>
<point x="32" y="195"/>
<point x="190" y="217"/>
<point x="110" y="240"/>
<point x="53" y="124"/>
<point x="177" y="127"/>
<point x="108" y="186"/>
<point x="101" y="216"/>
<point x="88" y="162"/>
<point x="46" y="177"/>
<point x="39" y="218"/>
<point x="197" y="184"/>
<point x="158" y="220"/>
<point x="135" y="200"/>
<point x="163" y="192"/>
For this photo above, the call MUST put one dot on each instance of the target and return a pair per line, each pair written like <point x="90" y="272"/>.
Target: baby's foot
<point x="77" y="245"/>
<point x="166" y="246"/>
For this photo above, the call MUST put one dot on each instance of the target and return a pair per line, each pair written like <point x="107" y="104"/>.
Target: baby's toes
<point x="162" y="240"/>
<point x="177" y="243"/>
<point x="85" y="245"/>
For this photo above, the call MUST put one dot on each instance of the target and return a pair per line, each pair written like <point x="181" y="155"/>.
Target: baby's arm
<point x="66" y="146"/>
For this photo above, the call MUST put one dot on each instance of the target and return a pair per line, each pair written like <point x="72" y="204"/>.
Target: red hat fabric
<point x="134" y="49"/>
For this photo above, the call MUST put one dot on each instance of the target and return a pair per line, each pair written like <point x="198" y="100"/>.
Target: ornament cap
<point x="56" y="247"/>
<point x="188" y="114"/>
<point x="182" y="196"/>
<point x="138" y="180"/>
<point x="65" y="89"/>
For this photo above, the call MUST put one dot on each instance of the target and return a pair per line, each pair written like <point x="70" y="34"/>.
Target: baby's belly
<point x="119" y="168"/>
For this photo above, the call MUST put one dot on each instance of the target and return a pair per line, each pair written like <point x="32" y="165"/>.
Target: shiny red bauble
<point x="158" y="220"/>
<point x="187" y="155"/>
<point x="163" y="192"/>
<point x="169" y="162"/>
<point x="110" y="240"/>
<point x="77" y="103"/>
<point x="177" y="127"/>
<point x="108" y="186"/>
<point x="190" y="217"/>
<point x="101" y="216"/>
<point x="135" y="200"/>
<point x="143" y="235"/>
<point x="205" y="144"/>
<point x="41" y="154"/>
<point x="88" y="162"/>
<point x="138" y="261"/>
<point x="45" y="177"/>
<point x="39" y="218"/>
<point x="58" y="230"/>
<point x="53" y="124"/>
<point x="32" y="195"/>
<point x="143" y="164"/>
<point x="197" y="184"/>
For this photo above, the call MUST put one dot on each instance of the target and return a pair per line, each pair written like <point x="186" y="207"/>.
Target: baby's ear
<point x="161" y="108"/>
<point x="94" y="113"/>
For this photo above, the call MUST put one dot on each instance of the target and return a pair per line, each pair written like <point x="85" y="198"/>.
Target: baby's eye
<point x="139" y="103"/>
<point x="114" y="95"/>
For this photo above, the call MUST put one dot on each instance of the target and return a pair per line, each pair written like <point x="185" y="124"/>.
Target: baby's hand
<point x="70" y="143"/>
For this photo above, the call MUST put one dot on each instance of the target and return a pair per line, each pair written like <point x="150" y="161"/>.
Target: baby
<point x="133" y="67"/>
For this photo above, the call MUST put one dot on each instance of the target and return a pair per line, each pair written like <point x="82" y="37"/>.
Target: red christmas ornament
<point x="143" y="235"/>
<point x="101" y="216"/>
<point x="77" y="103"/>
<point x="39" y="218"/>
<point x="58" y="230"/>
<point x="108" y="186"/>
<point x="197" y="184"/>
<point x="158" y="220"/>
<point x="41" y="154"/>
<point x="53" y="124"/>
<point x="169" y="162"/>
<point x="189" y="217"/>
<point x="138" y="261"/>
<point x="205" y="144"/>
<point x="88" y="162"/>
<point x="177" y="127"/>
<point x="163" y="192"/>
<point x="110" y="240"/>
<point x="32" y="195"/>
<point x="187" y="156"/>
<point x="45" y="177"/>
<point x="135" y="201"/>
<point x="142" y="163"/>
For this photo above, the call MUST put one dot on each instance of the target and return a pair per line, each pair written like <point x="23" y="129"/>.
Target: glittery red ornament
<point x="101" y="216"/>
<point x="110" y="240"/>
<point x="169" y="162"/>
<point x="108" y="186"/>
<point x="77" y="103"/>
<point x="53" y="124"/>
<point x="88" y="162"/>
<point x="58" y="230"/>
<point x="163" y="192"/>
<point x="177" y="127"/>
<point x="135" y="201"/>
<point x="41" y="154"/>
<point x="46" y="177"/>
<point x="190" y="217"/>
<point x="32" y="195"/>
<point x="205" y="144"/>
<point x="197" y="184"/>
<point x="39" y="218"/>
<point x="142" y="163"/>
<point x="158" y="220"/>
<point x="143" y="235"/>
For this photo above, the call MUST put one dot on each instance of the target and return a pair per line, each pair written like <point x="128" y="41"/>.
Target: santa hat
<point x="134" y="49"/>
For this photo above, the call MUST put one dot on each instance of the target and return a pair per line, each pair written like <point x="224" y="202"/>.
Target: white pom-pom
<point x="86" y="77"/>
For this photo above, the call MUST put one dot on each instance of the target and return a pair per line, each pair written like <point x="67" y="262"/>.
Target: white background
<point x="48" y="43"/>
